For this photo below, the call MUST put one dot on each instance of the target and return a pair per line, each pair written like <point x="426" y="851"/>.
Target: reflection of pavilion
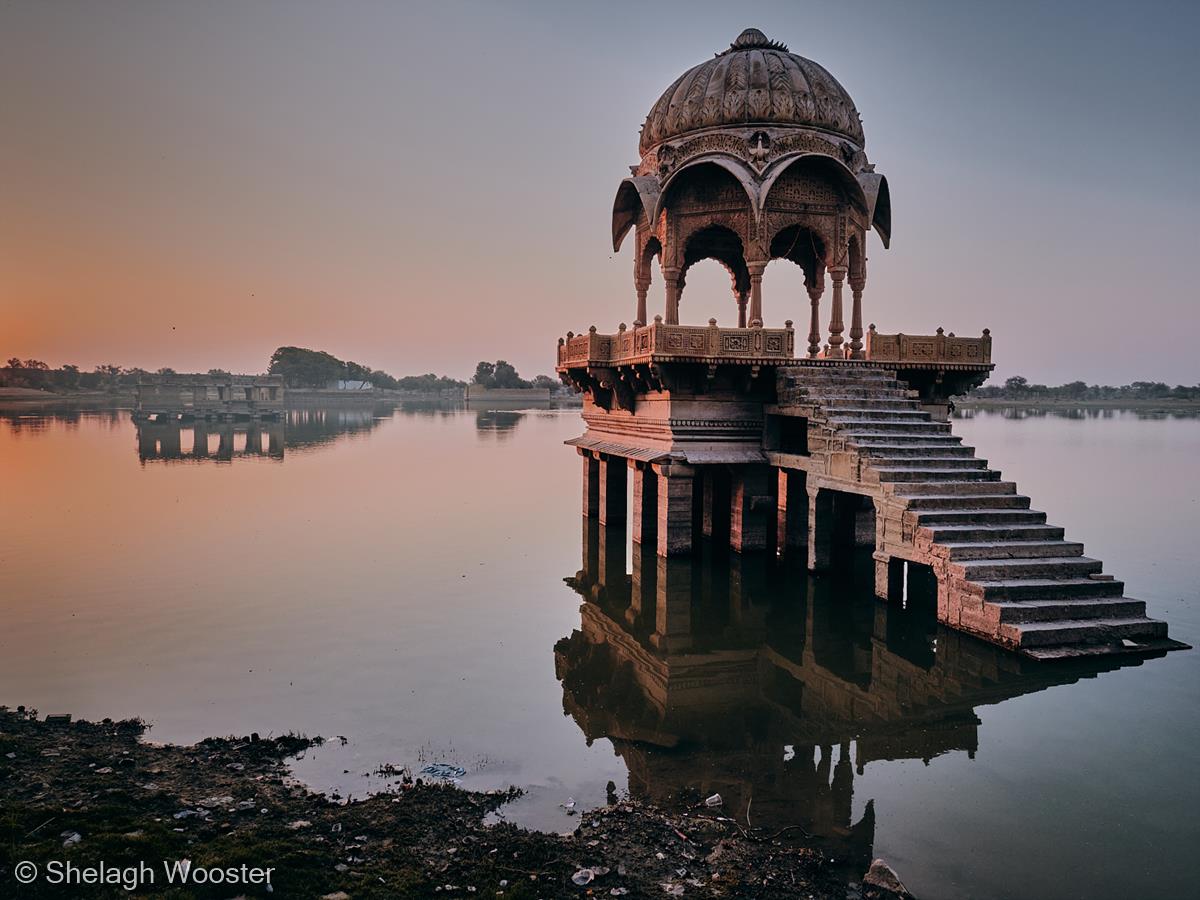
<point x="208" y="441"/>
<point x="701" y="672"/>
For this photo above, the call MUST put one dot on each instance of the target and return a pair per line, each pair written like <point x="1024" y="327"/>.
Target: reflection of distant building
<point x="204" y="441"/>
<point x="736" y="676"/>
<point x="161" y="397"/>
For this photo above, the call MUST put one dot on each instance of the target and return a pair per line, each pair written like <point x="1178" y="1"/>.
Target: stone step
<point x="1084" y="631"/>
<point x="1069" y="609"/>
<point x="870" y="413"/>
<point x="926" y="462"/>
<point x="1083" y="651"/>
<point x="898" y="437"/>
<point x="969" y="501"/>
<point x="918" y="426"/>
<point x="945" y="488"/>
<point x="855" y="393"/>
<point x="1044" y="589"/>
<point x="895" y="473"/>
<point x="965" y="534"/>
<point x="978" y="516"/>
<point x="988" y="550"/>
<point x="1038" y="567"/>
<point x="926" y="449"/>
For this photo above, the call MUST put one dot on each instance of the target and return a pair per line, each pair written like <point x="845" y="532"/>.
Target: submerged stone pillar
<point x="613" y="471"/>
<point x="820" y="528"/>
<point x="591" y="485"/>
<point x="674" y="509"/>
<point x="750" y="508"/>
<point x="791" y="512"/>
<point x="644" y="515"/>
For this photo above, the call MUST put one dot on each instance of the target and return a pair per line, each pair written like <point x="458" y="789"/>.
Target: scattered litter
<point x="673" y="890"/>
<point x="443" y="770"/>
<point x="186" y="814"/>
<point x="714" y="800"/>
<point x="215" y="802"/>
<point x="71" y="838"/>
<point x="245" y="806"/>
<point x="583" y="876"/>
<point x="618" y="892"/>
<point x="789" y="752"/>
<point x="104" y="770"/>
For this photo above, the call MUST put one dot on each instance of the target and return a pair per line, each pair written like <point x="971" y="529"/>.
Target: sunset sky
<point x="419" y="186"/>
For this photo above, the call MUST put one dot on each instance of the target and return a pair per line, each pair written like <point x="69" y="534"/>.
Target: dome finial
<point x="753" y="39"/>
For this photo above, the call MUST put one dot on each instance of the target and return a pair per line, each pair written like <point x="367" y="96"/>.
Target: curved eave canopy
<point x="635" y="196"/>
<point x="819" y="162"/>
<point x="734" y="166"/>
<point x="879" y="204"/>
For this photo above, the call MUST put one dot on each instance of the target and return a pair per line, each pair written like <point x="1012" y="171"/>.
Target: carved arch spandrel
<point x="834" y="170"/>
<point x="636" y="197"/>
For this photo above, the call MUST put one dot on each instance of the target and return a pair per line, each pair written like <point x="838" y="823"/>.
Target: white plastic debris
<point x="714" y="800"/>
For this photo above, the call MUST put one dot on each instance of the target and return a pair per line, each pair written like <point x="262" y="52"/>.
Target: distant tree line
<point x="1018" y="388"/>
<point x="33" y="373"/>
<point x="501" y="374"/>
<point x="305" y="368"/>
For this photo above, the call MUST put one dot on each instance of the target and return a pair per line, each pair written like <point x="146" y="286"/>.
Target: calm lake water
<point x="420" y="582"/>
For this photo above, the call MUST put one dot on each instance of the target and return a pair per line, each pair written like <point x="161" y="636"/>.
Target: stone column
<point x="889" y="576"/>
<point x="591" y="484"/>
<point x="742" y="296"/>
<point x="645" y="503"/>
<point x="199" y="439"/>
<point x="613" y="482"/>
<point x="836" y="351"/>
<point x="750" y="508"/>
<point x="820" y="529"/>
<point x="857" y="283"/>
<point x="756" y="275"/>
<point x="671" y="276"/>
<point x="674" y="509"/>
<point x="792" y="507"/>
<point x="643" y="287"/>
<point x="814" y="325"/>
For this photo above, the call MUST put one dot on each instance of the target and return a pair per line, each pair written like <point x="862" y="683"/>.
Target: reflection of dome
<point x="755" y="81"/>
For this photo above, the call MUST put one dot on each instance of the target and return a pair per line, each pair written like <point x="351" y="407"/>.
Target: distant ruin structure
<point x="209" y="397"/>
<point x="735" y="433"/>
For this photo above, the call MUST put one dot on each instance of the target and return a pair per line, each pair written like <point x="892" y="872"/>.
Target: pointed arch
<point x="636" y="196"/>
<point x="735" y="167"/>
<point x="833" y="169"/>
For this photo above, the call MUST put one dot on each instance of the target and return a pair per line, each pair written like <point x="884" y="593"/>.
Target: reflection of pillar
<point x="253" y="439"/>
<point x="199" y="439"/>
<point x="836" y="351"/>
<point x="225" y="443"/>
<point x="275" y="440"/>
<point x="750" y="508"/>
<point x="820" y="528"/>
<point x="611" y="560"/>
<point x="613" y="471"/>
<point x="792" y="505"/>
<point x="591" y="550"/>
<point x="756" y="276"/>
<point x="641" y="583"/>
<point x="673" y="605"/>
<point x="147" y="443"/>
<point x="674" y="509"/>
<point x="172" y="443"/>
<point x="591" y="485"/>
<point x="644" y="515"/>
<point x="671" y="277"/>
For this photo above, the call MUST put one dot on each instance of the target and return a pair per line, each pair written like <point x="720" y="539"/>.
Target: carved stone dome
<point x="755" y="82"/>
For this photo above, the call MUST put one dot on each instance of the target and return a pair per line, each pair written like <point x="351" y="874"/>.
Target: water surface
<point x="420" y="581"/>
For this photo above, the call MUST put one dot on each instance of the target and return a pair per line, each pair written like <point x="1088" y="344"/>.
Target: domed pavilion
<point x="754" y="155"/>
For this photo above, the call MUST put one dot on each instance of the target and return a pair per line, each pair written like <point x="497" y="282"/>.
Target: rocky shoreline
<point x="75" y="796"/>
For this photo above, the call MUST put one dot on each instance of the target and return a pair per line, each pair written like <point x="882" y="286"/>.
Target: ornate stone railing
<point x="929" y="348"/>
<point x="682" y="343"/>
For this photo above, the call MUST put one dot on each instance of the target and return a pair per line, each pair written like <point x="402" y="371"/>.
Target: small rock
<point x="882" y="877"/>
<point x="104" y="770"/>
<point x="298" y="824"/>
<point x="584" y="876"/>
<point x="71" y="838"/>
<point x="337" y="895"/>
<point x="714" y="800"/>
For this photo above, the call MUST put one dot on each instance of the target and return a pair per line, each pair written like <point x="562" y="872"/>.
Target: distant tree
<point x="15" y="363"/>
<point x="305" y="368"/>
<point x="1017" y="384"/>
<point x="70" y="376"/>
<point x="506" y="375"/>
<point x="218" y="373"/>
<point x="37" y="364"/>
<point x="485" y="374"/>
<point x="166" y="370"/>
<point x="545" y="381"/>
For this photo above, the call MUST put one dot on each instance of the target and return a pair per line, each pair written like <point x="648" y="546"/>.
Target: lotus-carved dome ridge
<point x="756" y="81"/>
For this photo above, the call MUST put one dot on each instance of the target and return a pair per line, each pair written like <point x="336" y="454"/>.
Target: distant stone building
<point x="161" y="397"/>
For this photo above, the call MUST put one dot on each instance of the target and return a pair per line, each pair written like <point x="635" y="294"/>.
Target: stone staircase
<point x="1003" y="572"/>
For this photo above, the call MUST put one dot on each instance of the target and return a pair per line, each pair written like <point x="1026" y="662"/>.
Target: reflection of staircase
<point x="1002" y="571"/>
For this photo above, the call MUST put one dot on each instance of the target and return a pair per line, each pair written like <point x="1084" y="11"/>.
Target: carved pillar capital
<point x="757" y="267"/>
